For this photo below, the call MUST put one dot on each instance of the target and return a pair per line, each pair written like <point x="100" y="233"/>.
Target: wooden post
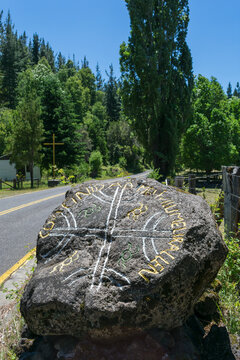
<point x="14" y="183"/>
<point x="0" y="184"/>
<point x="53" y="144"/>
<point x="179" y="180"/>
<point x="192" y="183"/>
<point x="231" y="188"/>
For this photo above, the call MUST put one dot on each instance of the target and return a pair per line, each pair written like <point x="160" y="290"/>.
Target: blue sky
<point x="96" y="29"/>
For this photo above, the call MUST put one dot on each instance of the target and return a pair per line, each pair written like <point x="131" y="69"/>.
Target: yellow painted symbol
<point x="147" y="190"/>
<point x="135" y="213"/>
<point x="50" y="227"/>
<point x="115" y="184"/>
<point x="66" y="262"/>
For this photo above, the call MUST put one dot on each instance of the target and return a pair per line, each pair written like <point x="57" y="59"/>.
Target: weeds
<point x="229" y="275"/>
<point x="11" y="323"/>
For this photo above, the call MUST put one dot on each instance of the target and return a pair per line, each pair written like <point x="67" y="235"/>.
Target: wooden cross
<point x="53" y="145"/>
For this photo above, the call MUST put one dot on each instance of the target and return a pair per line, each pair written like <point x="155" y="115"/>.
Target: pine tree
<point x="237" y="90"/>
<point x="61" y="61"/>
<point x="8" y="63"/>
<point x="35" y="49"/>
<point x="112" y="98"/>
<point x="99" y="80"/>
<point x="85" y="63"/>
<point x="157" y="78"/>
<point x="229" y="91"/>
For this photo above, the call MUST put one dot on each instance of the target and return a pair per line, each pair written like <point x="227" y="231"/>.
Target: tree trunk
<point x="31" y="173"/>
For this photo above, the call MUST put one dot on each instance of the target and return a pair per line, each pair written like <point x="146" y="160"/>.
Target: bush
<point x="155" y="174"/>
<point x="95" y="163"/>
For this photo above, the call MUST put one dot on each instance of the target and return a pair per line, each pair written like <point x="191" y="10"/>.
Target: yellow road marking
<point x="9" y="272"/>
<point x="29" y="204"/>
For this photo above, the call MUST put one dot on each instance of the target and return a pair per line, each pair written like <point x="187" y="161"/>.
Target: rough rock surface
<point x="188" y="342"/>
<point x="118" y="257"/>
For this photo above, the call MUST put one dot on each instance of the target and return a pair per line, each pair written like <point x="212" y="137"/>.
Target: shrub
<point x="95" y="163"/>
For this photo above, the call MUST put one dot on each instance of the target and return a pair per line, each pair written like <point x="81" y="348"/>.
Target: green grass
<point x="11" y="326"/>
<point x="26" y="189"/>
<point x="229" y="275"/>
<point x="107" y="173"/>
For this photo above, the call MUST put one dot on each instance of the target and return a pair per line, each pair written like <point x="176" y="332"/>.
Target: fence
<point x="17" y="184"/>
<point x="194" y="181"/>
<point x="4" y="182"/>
<point x="231" y="187"/>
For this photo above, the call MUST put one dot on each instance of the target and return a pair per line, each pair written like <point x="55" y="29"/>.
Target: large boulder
<point x="121" y="256"/>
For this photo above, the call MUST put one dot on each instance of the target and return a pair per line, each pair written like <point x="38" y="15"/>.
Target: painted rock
<point x="121" y="256"/>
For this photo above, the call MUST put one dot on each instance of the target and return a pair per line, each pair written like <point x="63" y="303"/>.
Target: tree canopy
<point x="157" y="78"/>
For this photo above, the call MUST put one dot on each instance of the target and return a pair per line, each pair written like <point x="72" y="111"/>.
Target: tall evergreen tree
<point x="237" y="90"/>
<point x="99" y="80"/>
<point x="229" y="91"/>
<point x="8" y="64"/>
<point x="85" y="63"/>
<point x="61" y="61"/>
<point x="112" y="98"/>
<point x="35" y="49"/>
<point x="157" y="78"/>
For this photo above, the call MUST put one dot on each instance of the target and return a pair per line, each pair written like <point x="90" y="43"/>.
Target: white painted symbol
<point x="100" y="269"/>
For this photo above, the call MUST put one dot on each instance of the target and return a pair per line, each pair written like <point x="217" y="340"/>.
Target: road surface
<point x="21" y="218"/>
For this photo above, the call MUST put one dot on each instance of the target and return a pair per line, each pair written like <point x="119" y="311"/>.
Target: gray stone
<point x="118" y="257"/>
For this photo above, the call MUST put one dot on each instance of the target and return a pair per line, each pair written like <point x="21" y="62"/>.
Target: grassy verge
<point x="11" y="321"/>
<point x="10" y="192"/>
<point x="6" y="191"/>
<point x="229" y="275"/>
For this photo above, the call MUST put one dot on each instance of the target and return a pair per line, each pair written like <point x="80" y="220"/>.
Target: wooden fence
<point x="16" y="184"/>
<point x="193" y="181"/>
<point x="231" y="188"/>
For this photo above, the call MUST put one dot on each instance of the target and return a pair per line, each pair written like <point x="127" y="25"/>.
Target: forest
<point x="105" y="122"/>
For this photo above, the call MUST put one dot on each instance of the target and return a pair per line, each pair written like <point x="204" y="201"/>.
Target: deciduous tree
<point x="27" y="135"/>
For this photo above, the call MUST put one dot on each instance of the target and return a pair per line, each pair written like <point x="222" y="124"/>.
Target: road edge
<point x="16" y="266"/>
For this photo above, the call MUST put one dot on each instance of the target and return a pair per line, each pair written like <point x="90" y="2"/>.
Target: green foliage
<point x="95" y="163"/>
<point x="27" y="133"/>
<point x="157" y="77"/>
<point x="73" y="104"/>
<point x="209" y="141"/>
<point x="13" y="59"/>
<point x="155" y="174"/>
<point x="6" y="124"/>
<point x="237" y="90"/>
<point x="112" y="98"/>
<point x="95" y="128"/>
<point x="229" y="91"/>
<point x="229" y="276"/>
<point x="123" y="144"/>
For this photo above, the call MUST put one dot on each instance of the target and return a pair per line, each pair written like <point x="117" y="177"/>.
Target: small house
<point x="8" y="171"/>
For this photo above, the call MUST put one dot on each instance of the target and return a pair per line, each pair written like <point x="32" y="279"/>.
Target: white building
<point x="8" y="171"/>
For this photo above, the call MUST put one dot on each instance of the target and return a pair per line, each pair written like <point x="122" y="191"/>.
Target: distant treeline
<point x="68" y="99"/>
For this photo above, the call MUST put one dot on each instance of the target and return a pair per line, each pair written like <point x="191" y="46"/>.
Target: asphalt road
<point x="21" y="218"/>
